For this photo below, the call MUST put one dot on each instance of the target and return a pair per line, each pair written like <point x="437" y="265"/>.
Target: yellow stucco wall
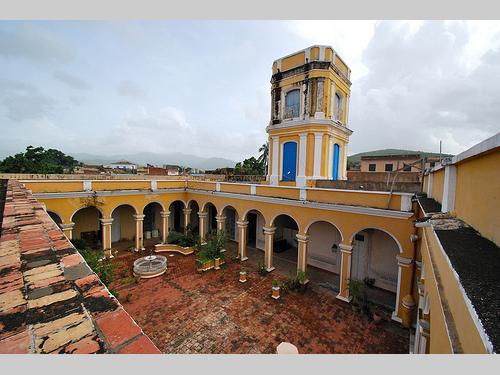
<point x="439" y="342"/>
<point x="447" y="291"/>
<point x="235" y="188"/>
<point x="477" y="199"/>
<point x="293" y="61"/>
<point x="438" y="185"/>
<point x="120" y="185"/>
<point x="355" y="198"/>
<point x="54" y="186"/>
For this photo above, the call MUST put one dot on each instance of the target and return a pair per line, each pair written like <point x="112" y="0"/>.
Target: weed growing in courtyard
<point x="261" y="267"/>
<point x="104" y="268"/>
<point x="357" y="289"/>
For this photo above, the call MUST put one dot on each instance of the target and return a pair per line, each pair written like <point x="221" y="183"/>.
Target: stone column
<point x="302" y="239"/>
<point x="203" y="225"/>
<point x="269" y="240"/>
<point x="275" y="148"/>
<point x="318" y="142"/>
<point x="67" y="230"/>
<point x="345" y="273"/>
<point x="139" y="243"/>
<point x="301" y="176"/>
<point x="221" y="220"/>
<point x="187" y="218"/>
<point x="242" y="244"/>
<point x="106" y="237"/>
<point x="405" y="275"/>
<point x="165" y="216"/>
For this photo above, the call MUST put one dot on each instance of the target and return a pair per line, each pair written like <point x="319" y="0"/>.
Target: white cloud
<point x="165" y="130"/>
<point x="71" y="80"/>
<point x="35" y="44"/>
<point x="419" y="90"/>
<point x="131" y="89"/>
<point x="22" y="101"/>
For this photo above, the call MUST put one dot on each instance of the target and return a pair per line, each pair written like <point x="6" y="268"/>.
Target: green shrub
<point x="174" y="237"/>
<point x="184" y="240"/>
<point x="276" y="283"/>
<point x="212" y="248"/>
<point x="103" y="268"/>
<point x="357" y="289"/>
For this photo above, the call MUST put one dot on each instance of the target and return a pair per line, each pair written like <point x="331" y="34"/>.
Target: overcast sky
<point x="202" y="87"/>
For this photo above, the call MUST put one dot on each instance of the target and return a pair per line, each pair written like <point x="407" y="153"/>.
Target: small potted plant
<point x="243" y="276"/>
<point x="276" y="289"/>
<point x="377" y="317"/>
<point x="217" y="263"/>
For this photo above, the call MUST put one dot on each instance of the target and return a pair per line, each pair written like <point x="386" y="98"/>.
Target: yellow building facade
<point x="457" y="304"/>
<point x="308" y="132"/>
<point x="350" y="234"/>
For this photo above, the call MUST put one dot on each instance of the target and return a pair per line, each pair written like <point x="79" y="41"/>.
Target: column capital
<point x="202" y="214"/>
<point x="106" y="221"/>
<point x="139" y="217"/>
<point x="304" y="238"/>
<point x="67" y="226"/>
<point x="242" y="224"/>
<point x="404" y="262"/>
<point x="269" y="230"/>
<point x="164" y="213"/>
<point x="220" y="218"/>
<point x="345" y="248"/>
<point x="186" y="210"/>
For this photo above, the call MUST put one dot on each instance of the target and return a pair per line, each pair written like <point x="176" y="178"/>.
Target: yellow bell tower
<point x="308" y="132"/>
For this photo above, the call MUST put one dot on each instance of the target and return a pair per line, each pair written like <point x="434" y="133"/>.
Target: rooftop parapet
<point x="50" y="300"/>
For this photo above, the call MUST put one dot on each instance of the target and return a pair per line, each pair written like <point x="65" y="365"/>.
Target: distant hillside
<point x="144" y="158"/>
<point x="356" y="158"/>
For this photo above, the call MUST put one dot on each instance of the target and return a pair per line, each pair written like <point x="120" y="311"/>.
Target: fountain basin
<point x="150" y="266"/>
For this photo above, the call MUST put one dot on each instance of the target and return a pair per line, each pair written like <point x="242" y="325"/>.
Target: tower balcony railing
<point x="338" y="115"/>
<point x="291" y="112"/>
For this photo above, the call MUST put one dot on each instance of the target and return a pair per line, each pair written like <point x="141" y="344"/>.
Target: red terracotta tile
<point x="16" y="344"/>
<point x="118" y="327"/>
<point x="71" y="260"/>
<point x="142" y="345"/>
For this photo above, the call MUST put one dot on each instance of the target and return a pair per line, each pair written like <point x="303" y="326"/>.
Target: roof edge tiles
<point x="50" y="300"/>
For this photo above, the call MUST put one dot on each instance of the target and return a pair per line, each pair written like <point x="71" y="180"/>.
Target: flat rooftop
<point x="476" y="260"/>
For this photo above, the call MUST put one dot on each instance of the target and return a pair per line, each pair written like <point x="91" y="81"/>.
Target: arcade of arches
<point x="330" y="246"/>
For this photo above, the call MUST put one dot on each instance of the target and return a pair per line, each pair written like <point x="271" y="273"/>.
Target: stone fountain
<point x="150" y="266"/>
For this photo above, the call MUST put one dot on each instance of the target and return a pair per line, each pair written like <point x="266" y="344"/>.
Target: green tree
<point x="264" y="156"/>
<point x="39" y="160"/>
<point x="250" y="166"/>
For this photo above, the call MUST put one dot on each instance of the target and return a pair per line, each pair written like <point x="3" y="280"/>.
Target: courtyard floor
<point x="184" y="311"/>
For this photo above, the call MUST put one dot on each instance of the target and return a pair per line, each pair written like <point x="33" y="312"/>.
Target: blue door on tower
<point x="289" y="161"/>
<point x="335" y="171"/>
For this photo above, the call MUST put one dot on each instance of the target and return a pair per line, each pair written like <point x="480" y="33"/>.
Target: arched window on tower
<point x="292" y="104"/>
<point x="338" y="106"/>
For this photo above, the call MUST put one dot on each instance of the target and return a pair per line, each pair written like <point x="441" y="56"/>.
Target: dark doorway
<point x="251" y="230"/>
